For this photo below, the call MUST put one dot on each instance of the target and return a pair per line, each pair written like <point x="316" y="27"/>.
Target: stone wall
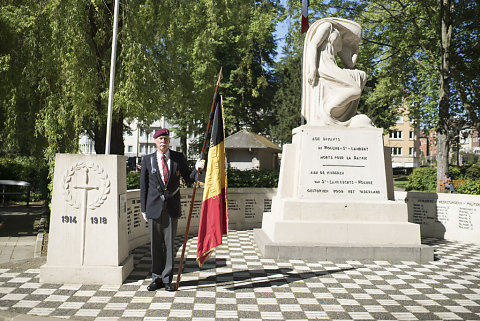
<point x="245" y="211"/>
<point x="453" y="217"/>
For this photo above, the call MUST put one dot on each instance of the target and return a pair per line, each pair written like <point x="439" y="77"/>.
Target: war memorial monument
<point x="88" y="222"/>
<point x="335" y="197"/>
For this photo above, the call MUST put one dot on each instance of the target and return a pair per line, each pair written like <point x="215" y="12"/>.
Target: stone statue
<point x="330" y="93"/>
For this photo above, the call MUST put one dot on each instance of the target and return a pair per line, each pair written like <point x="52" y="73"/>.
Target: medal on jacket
<point x="154" y="170"/>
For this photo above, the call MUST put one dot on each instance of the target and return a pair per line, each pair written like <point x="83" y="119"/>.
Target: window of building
<point x="130" y="148"/>
<point x="396" y="151"/>
<point x="411" y="151"/>
<point x="412" y="135"/>
<point x="396" y="134"/>
<point x="399" y="119"/>
<point x="411" y="119"/>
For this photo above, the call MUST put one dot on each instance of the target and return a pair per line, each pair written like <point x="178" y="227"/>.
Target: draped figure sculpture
<point x="330" y="93"/>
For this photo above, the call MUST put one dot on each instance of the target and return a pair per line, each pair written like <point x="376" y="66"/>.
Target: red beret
<point x="161" y="132"/>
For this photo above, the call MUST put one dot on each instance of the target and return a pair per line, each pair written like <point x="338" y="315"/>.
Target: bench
<point x="4" y="192"/>
<point x="456" y="183"/>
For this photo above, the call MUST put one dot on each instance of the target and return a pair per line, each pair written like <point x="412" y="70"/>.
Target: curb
<point x="38" y="245"/>
<point x="39" y="241"/>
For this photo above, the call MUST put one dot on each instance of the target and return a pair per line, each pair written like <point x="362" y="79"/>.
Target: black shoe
<point x="155" y="285"/>
<point x="170" y="287"/>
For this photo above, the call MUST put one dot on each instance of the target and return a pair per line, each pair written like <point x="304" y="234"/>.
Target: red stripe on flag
<point x="212" y="226"/>
<point x="304" y="24"/>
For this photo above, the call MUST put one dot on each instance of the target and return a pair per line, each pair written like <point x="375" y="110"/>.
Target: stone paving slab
<point x="237" y="283"/>
<point x="21" y="232"/>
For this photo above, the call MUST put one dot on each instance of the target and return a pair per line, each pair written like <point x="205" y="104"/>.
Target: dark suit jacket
<point x="152" y="187"/>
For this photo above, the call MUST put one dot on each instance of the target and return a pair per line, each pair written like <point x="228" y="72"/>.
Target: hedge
<point x="29" y="169"/>
<point x="235" y="178"/>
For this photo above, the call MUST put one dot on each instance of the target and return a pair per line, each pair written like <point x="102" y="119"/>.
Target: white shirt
<point x="160" y="162"/>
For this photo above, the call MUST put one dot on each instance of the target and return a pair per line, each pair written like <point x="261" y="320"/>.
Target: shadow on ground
<point x="259" y="278"/>
<point x="21" y="220"/>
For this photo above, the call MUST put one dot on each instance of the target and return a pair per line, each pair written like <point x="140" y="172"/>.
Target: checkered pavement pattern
<point x="237" y="283"/>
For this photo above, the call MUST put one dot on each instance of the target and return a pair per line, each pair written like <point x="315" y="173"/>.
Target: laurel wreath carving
<point x="67" y="180"/>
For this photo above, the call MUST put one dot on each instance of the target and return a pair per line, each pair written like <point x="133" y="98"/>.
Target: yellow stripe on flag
<point x="215" y="180"/>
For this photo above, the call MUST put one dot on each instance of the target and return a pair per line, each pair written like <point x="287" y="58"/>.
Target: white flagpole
<point x="112" y="78"/>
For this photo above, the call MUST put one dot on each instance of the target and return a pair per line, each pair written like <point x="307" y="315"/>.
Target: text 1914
<point x="69" y="219"/>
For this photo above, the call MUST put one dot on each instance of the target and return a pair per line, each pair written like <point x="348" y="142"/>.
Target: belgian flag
<point x="213" y="217"/>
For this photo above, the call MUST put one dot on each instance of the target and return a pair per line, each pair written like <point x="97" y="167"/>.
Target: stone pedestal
<point x="88" y="240"/>
<point x="335" y="201"/>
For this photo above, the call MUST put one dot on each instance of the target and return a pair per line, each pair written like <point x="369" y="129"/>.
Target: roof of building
<point x="246" y="139"/>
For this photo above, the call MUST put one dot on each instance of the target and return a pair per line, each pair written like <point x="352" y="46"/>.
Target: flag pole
<point x="205" y="139"/>
<point x="112" y="78"/>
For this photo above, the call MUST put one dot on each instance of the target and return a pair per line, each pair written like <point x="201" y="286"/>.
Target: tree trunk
<point x="117" y="146"/>
<point x="443" y="148"/>
<point x="183" y="145"/>
<point x="446" y="8"/>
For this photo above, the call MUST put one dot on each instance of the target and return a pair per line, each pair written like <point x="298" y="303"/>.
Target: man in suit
<point x="160" y="200"/>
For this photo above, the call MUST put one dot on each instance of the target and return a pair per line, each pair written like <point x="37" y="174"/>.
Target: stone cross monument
<point x="335" y="192"/>
<point x="88" y="241"/>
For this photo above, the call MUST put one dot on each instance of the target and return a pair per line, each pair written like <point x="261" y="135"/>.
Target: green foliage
<point x="470" y="187"/>
<point x="422" y="179"/>
<point x="237" y="36"/>
<point x="252" y="178"/>
<point x="472" y="172"/>
<point x="20" y="100"/>
<point x="469" y="158"/>
<point x="287" y="100"/>
<point x="29" y="169"/>
<point x="133" y="180"/>
<point x="55" y="66"/>
<point x="455" y="172"/>
<point x="236" y="178"/>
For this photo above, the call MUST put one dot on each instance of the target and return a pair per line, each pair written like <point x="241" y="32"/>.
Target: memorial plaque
<point x="339" y="165"/>
<point x="451" y="216"/>
<point x="250" y="206"/>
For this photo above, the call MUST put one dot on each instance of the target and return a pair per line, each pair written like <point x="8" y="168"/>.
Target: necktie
<point x="165" y="169"/>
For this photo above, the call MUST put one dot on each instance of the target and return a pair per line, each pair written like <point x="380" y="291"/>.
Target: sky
<point x="280" y="33"/>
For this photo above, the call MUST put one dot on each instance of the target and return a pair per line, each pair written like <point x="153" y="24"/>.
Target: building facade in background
<point x="404" y="142"/>
<point x="466" y="141"/>
<point x="138" y="141"/>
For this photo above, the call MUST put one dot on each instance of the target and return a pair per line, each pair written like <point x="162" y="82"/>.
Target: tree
<point x="237" y="36"/>
<point x="80" y="50"/>
<point x="287" y="100"/>
<point x="20" y="101"/>
<point x="423" y="46"/>
<point x="56" y="63"/>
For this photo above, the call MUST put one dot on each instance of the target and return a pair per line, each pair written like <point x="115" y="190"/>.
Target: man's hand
<point x="199" y="164"/>
<point x="144" y="216"/>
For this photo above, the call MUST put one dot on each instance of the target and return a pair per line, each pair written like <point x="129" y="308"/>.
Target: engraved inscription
<point x="338" y="165"/>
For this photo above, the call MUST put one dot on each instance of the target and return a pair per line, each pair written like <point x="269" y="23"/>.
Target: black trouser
<point x="162" y="236"/>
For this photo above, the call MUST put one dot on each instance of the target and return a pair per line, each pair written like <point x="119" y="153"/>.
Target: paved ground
<point x="238" y="283"/>
<point x="19" y="232"/>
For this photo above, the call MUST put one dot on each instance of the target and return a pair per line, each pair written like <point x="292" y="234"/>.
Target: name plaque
<point x="451" y="216"/>
<point x="342" y="164"/>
